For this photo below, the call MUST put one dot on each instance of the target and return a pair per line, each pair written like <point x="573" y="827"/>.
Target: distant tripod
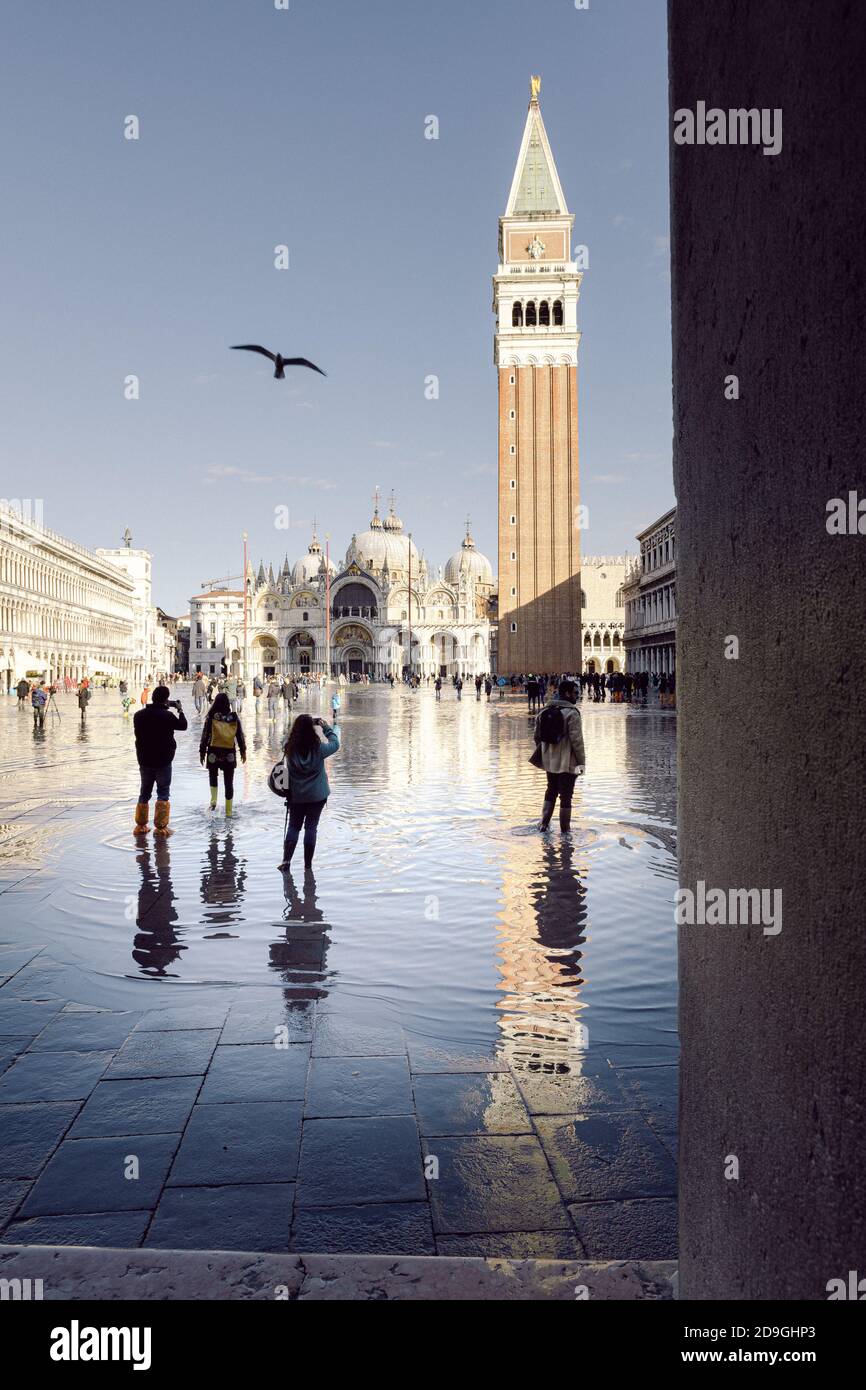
<point x="52" y="707"/>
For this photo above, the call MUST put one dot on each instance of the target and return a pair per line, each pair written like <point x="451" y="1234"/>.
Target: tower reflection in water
<point x="541" y="932"/>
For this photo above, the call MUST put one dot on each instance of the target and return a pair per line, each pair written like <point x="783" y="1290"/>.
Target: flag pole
<point x="327" y="607"/>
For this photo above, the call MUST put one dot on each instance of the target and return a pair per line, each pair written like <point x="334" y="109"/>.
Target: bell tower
<point x="535" y="294"/>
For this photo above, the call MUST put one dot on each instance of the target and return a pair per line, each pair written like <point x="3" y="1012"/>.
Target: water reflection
<point x="156" y="945"/>
<point x="300" y="956"/>
<point x="223" y="876"/>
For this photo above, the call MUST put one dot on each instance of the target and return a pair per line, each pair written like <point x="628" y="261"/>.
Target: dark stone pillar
<point x="768" y="284"/>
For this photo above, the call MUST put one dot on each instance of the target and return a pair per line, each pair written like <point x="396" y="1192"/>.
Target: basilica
<point x="381" y="612"/>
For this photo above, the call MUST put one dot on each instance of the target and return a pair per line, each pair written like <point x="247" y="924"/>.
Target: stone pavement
<point x="274" y="1125"/>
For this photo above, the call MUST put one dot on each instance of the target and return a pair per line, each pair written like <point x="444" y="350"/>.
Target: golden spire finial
<point x="534" y="88"/>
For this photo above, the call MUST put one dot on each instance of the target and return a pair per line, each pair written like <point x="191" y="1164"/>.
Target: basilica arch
<point x="300" y="654"/>
<point x="354" y="650"/>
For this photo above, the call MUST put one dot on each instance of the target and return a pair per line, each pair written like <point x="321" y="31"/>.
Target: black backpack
<point x="551" y="724"/>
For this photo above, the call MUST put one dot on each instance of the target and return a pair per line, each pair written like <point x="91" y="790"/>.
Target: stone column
<point x="768" y="286"/>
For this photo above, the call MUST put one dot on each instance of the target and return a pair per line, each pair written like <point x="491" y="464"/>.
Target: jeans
<point x="161" y="776"/>
<point x="560" y="784"/>
<point x="198" y="700"/>
<point x="306" y="814"/>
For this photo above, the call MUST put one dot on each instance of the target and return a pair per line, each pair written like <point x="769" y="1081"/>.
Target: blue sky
<point x="305" y="127"/>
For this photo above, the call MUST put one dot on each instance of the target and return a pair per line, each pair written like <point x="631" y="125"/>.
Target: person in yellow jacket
<point x="221" y="736"/>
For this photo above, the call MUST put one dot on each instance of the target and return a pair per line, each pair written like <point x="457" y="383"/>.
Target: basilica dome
<point x="305" y="570"/>
<point x="383" y="544"/>
<point x="469" y="561"/>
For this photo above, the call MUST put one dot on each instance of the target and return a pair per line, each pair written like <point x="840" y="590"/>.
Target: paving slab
<point x="340" y="1086"/>
<point x="239" y="1143"/>
<point x="115" y="1229"/>
<point x="182" y="1052"/>
<point x="255" y="1216"/>
<point x="85" y="1031"/>
<point x="607" y="1156"/>
<point x="12" y="1191"/>
<point x="174" y="1018"/>
<point x="256" y="1071"/>
<point x="469" y="1103"/>
<point x="375" y="1228"/>
<point x="428" y="1057"/>
<point x="29" y="1134"/>
<point x="337" y="1035"/>
<point x="491" y="1183"/>
<point x="349" y="1161"/>
<point x="646" y="1230"/>
<point x="155" y="1105"/>
<point x="572" y="1094"/>
<point x="23" y="1018"/>
<point x="89" y="1175"/>
<point x="261" y="1021"/>
<point x="52" y="1076"/>
<point x="513" y="1245"/>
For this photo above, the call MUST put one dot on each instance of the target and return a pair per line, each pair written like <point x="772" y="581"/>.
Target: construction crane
<point x="224" y="579"/>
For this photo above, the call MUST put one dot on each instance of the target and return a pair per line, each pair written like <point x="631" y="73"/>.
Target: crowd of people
<point x="552" y="699"/>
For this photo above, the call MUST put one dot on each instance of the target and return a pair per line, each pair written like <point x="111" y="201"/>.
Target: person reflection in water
<point x="310" y="742"/>
<point x="156" y="944"/>
<point x="223" y="878"/>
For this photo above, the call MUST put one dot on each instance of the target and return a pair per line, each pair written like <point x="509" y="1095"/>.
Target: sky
<point x="305" y="128"/>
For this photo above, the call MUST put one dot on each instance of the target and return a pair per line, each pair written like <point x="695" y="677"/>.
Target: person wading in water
<point x="221" y="731"/>
<point x="305" y="754"/>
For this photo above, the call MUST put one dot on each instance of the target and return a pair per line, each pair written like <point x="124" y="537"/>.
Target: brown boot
<point x="160" y="818"/>
<point x="141" y="826"/>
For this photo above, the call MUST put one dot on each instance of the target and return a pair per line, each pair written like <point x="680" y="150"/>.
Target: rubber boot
<point x="546" y="814"/>
<point x="141" y="826"/>
<point x="565" y="819"/>
<point x="213" y="797"/>
<point x="160" y="818"/>
<point x="308" y="858"/>
<point x="229" y="800"/>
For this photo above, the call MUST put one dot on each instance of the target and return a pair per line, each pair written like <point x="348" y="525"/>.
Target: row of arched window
<point x="608" y="640"/>
<point x="536" y="315"/>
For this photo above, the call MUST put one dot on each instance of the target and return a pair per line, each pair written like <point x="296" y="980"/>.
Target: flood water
<point x="437" y="904"/>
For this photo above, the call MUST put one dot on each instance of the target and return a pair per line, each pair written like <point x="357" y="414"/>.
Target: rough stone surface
<point x="768" y="284"/>
<point x="146" y="1275"/>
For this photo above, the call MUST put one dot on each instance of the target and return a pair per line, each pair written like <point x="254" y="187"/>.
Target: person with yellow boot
<point x="155" y="727"/>
<point x="221" y="731"/>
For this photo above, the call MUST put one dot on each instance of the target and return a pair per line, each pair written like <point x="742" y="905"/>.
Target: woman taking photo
<point x="305" y="754"/>
<point x="221" y="731"/>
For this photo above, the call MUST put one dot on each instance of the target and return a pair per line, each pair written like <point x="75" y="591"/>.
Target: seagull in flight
<point x="277" y="358"/>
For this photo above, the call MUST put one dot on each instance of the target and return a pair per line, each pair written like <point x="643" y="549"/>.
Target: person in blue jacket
<point x="305" y="753"/>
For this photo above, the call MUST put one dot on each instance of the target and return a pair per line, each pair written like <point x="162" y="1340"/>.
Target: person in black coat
<point x="155" y="726"/>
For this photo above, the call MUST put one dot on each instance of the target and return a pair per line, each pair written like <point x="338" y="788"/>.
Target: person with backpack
<point x="559" y="742"/>
<point x="458" y="686"/>
<point x="220" y="732"/>
<point x="310" y="742"/>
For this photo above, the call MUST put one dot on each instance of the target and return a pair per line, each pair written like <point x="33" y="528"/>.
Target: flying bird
<point x="278" y="359"/>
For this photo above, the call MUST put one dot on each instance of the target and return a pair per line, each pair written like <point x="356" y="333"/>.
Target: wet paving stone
<point x="171" y="1020"/>
<point x="85" y="1031"/>
<point x="259" y="1023"/>
<point x="244" y="1217"/>
<point x="469" y="1103"/>
<point x="10" y="1050"/>
<point x="340" y="1086"/>
<point x="493" y="1183"/>
<point x="121" y="1230"/>
<point x="607" y="1156"/>
<point x="513" y="1245"/>
<point x="11" y="1193"/>
<point x="337" y="1035"/>
<point x="377" y="1228"/>
<point x="184" y="1052"/>
<point x="424" y="1057"/>
<point x="571" y="1094"/>
<point x="20" y="1018"/>
<point x="347" y="1161"/>
<point x="651" y="1088"/>
<point x="154" y="1106"/>
<point x="52" y="1076"/>
<point x="88" y="1175"/>
<point x="256" y="1071"/>
<point x="30" y="1133"/>
<point x="645" y="1230"/>
<point x="244" y="1143"/>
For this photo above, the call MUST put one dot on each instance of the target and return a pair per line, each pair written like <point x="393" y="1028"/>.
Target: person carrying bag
<point x="300" y="778"/>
